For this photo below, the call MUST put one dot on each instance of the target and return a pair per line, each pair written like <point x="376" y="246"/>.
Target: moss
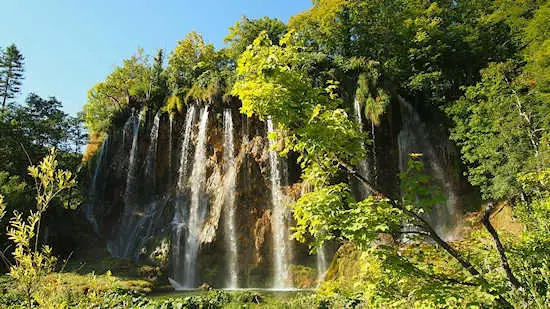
<point x="345" y="263"/>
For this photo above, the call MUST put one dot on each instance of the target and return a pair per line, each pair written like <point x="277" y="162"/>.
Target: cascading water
<point x="281" y="246"/>
<point x="95" y="194"/>
<point x="128" y="127"/>
<point x="229" y="200"/>
<point x="414" y="138"/>
<point x="321" y="263"/>
<point x="126" y="238"/>
<point x="363" y="166"/>
<point x="151" y="160"/>
<point x="171" y="122"/>
<point x="198" y="204"/>
<point x="182" y="171"/>
<point x="131" y="176"/>
<point x="374" y="159"/>
<point x="179" y="220"/>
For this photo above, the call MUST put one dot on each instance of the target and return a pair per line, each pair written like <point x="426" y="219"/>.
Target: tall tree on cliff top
<point x="128" y="85"/>
<point x="11" y="74"/>
<point x="246" y="30"/>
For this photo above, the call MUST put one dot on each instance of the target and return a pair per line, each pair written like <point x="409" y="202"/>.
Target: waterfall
<point x="128" y="126"/>
<point x="151" y="160"/>
<point x="363" y="167"/>
<point x="171" y="121"/>
<point x="95" y="194"/>
<point x="131" y="174"/>
<point x="321" y="263"/>
<point x="182" y="171"/>
<point x="414" y="138"/>
<point x="278" y="220"/>
<point x="179" y="219"/>
<point x="197" y="207"/>
<point x="229" y="200"/>
<point x="132" y="218"/>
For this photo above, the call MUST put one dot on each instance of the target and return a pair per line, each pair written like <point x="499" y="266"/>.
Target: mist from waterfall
<point x="179" y="220"/>
<point x="151" y="160"/>
<point x="414" y="138"/>
<point x="198" y="204"/>
<point x="230" y="234"/>
<point x="321" y="263"/>
<point x="281" y="240"/>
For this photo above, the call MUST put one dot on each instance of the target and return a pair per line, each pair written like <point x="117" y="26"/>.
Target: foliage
<point x="500" y="130"/>
<point x="13" y="189"/>
<point x="271" y="81"/>
<point x="32" y="265"/>
<point x="418" y="193"/>
<point x="247" y="297"/>
<point x="501" y="123"/>
<point x="128" y="85"/>
<point x="246" y="30"/>
<point x="29" y="130"/>
<point x="188" y="60"/>
<point x="374" y="99"/>
<point x="332" y="211"/>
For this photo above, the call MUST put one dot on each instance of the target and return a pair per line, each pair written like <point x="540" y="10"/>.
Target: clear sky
<point x="69" y="45"/>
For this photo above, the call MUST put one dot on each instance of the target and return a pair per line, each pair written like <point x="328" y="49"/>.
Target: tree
<point x="11" y="74"/>
<point x="246" y="30"/>
<point x="502" y="123"/>
<point x="32" y="265"/>
<point x="128" y="85"/>
<point x="271" y="82"/>
<point x="29" y="130"/>
<point x="159" y="83"/>
<point x="188" y="61"/>
<point x="197" y="72"/>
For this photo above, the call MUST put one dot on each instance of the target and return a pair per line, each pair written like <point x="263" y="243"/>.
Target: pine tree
<point x="11" y="72"/>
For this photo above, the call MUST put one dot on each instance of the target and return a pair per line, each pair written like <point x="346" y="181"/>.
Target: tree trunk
<point x="486" y="220"/>
<point x="5" y="94"/>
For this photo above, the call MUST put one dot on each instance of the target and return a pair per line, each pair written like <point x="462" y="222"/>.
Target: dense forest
<point x="335" y="83"/>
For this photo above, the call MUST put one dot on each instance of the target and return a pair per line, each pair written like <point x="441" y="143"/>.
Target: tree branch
<point x="431" y="233"/>
<point x="486" y="220"/>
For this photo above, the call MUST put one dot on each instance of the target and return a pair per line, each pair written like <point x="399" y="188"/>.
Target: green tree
<point x="271" y="82"/>
<point x="197" y="72"/>
<point x="128" y="85"/>
<point x="11" y="74"/>
<point x="160" y="87"/>
<point x="30" y="130"/>
<point x="189" y="59"/>
<point x="246" y="30"/>
<point x="32" y="265"/>
<point x="501" y="130"/>
<point x="502" y="122"/>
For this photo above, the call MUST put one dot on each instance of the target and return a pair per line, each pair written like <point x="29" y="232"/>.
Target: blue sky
<point x="69" y="45"/>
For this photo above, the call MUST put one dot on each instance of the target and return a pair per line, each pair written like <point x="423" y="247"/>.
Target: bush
<point x="248" y="297"/>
